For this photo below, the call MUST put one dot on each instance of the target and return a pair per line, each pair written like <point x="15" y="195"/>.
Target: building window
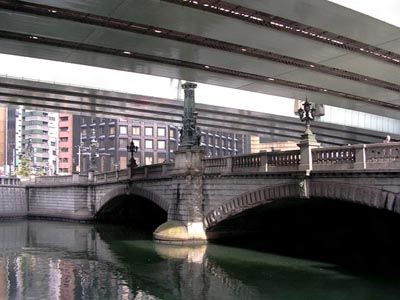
<point x="123" y="143"/>
<point x="64" y="149"/>
<point x="83" y="132"/>
<point x="135" y="130"/>
<point x="112" y="130"/>
<point x="63" y="139"/>
<point x="161" y="145"/>
<point x="64" y="129"/>
<point x="112" y="163"/>
<point x="172" y="146"/>
<point x="137" y="143"/>
<point x="148" y="131"/>
<point x="123" y="130"/>
<point x="172" y="133"/>
<point x="122" y="162"/>
<point x="102" y="163"/>
<point x="161" y="131"/>
<point x="161" y="158"/>
<point x="148" y="158"/>
<point x="148" y="144"/>
<point x="64" y="119"/>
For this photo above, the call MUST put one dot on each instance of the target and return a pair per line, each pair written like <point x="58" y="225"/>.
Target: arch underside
<point x="133" y="191"/>
<point x="364" y="195"/>
<point x="134" y="207"/>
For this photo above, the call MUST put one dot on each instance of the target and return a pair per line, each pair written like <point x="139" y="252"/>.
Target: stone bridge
<point x="197" y="193"/>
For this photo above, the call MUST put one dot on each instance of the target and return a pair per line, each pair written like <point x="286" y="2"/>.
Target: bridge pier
<point x="186" y="212"/>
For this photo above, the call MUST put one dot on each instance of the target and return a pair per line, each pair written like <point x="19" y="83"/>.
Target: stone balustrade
<point x="215" y="165"/>
<point x="10" y="181"/>
<point x="382" y="156"/>
<point x="249" y="162"/>
<point x="371" y="156"/>
<point x="341" y="157"/>
<point x="283" y="160"/>
<point x="361" y="156"/>
<point x="151" y="171"/>
<point x="382" y="152"/>
<point x="60" y="180"/>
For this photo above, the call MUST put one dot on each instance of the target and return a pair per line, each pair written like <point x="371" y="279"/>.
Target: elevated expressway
<point x="289" y="48"/>
<point x="85" y="101"/>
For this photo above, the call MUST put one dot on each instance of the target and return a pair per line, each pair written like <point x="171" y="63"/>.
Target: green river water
<point x="59" y="260"/>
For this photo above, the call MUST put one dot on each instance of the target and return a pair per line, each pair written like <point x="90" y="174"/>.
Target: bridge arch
<point x="132" y="191"/>
<point x="250" y="200"/>
<point x="360" y="194"/>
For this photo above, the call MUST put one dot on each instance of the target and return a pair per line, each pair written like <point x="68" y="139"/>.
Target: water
<point x="55" y="260"/>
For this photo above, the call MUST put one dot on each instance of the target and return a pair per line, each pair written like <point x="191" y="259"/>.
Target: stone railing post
<point x="164" y="170"/>
<point x="229" y="166"/>
<point x="360" y="157"/>
<point x="75" y="178"/>
<point x="91" y="176"/>
<point x="308" y="142"/>
<point x="263" y="162"/>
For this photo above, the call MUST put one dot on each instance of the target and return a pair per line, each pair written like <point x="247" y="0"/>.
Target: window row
<point x="136" y="130"/>
<point x="148" y="131"/>
<point x="148" y="144"/>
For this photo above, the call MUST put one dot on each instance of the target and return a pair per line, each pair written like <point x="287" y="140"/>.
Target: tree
<point x="25" y="166"/>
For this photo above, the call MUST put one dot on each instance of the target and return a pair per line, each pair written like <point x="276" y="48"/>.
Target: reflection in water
<point x="52" y="260"/>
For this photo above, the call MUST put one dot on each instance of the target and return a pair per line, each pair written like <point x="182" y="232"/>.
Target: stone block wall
<point x="69" y="202"/>
<point x="13" y="201"/>
<point x="219" y="190"/>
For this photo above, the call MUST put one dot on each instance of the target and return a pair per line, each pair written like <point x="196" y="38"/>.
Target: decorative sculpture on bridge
<point x="190" y="133"/>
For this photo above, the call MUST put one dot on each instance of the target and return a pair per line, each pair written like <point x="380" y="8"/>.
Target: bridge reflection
<point x="76" y="261"/>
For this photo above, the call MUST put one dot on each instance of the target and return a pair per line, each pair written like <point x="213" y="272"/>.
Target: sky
<point x="67" y="73"/>
<point x="385" y="10"/>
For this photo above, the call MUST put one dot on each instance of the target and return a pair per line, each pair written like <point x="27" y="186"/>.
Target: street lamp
<point x="131" y="148"/>
<point x="93" y="152"/>
<point x="306" y="115"/>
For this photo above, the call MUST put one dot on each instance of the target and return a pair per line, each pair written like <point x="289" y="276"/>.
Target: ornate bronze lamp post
<point x="190" y="133"/>
<point x="93" y="152"/>
<point x="308" y="140"/>
<point x="131" y="148"/>
<point x="306" y="115"/>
